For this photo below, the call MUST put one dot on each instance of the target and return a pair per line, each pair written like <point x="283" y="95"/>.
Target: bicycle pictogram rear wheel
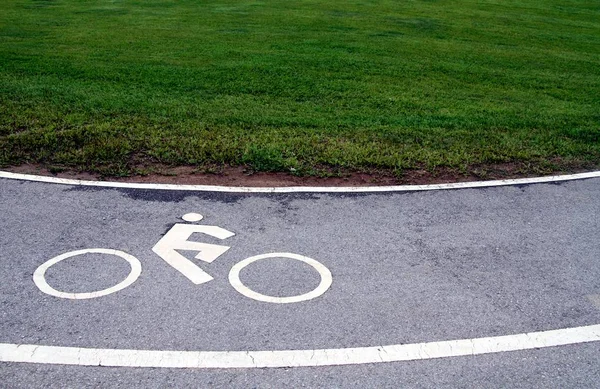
<point x="39" y="276"/>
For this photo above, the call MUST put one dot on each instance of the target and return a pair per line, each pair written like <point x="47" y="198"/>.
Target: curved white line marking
<point x="31" y="353"/>
<point x="302" y="189"/>
<point x="40" y="279"/>
<point x="326" y="279"/>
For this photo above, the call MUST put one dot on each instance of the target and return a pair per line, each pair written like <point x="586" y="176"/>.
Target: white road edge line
<point x="302" y="189"/>
<point x="30" y="353"/>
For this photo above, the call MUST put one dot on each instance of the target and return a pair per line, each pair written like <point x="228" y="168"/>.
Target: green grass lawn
<point x="111" y="85"/>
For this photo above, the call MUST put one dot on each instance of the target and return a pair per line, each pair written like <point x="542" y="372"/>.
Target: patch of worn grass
<point x="291" y="85"/>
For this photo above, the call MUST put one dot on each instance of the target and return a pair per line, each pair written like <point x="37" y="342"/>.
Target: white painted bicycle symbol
<point x="177" y="239"/>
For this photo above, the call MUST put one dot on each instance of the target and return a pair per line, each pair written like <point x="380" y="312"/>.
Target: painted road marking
<point x="303" y="189"/>
<point x="192" y="217"/>
<point x="39" y="276"/>
<point x="326" y="279"/>
<point x="30" y="353"/>
<point x="594" y="299"/>
<point x="177" y="239"/>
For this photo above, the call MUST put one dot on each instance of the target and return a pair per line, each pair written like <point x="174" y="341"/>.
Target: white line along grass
<point x="294" y="358"/>
<point x="302" y="189"/>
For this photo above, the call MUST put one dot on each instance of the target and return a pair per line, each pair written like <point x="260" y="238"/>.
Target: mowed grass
<point x="307" y="86"/>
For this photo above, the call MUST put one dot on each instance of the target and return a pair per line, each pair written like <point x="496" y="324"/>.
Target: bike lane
<point x="405" y="267"/>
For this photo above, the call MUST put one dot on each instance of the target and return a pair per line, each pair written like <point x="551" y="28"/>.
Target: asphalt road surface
<point x="458" y="273"/>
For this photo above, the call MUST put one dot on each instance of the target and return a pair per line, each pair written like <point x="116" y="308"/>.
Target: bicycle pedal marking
<point x="177" y="238"/>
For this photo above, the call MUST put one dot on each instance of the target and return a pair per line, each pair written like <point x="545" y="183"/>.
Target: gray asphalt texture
<point x="407" y="268"/>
